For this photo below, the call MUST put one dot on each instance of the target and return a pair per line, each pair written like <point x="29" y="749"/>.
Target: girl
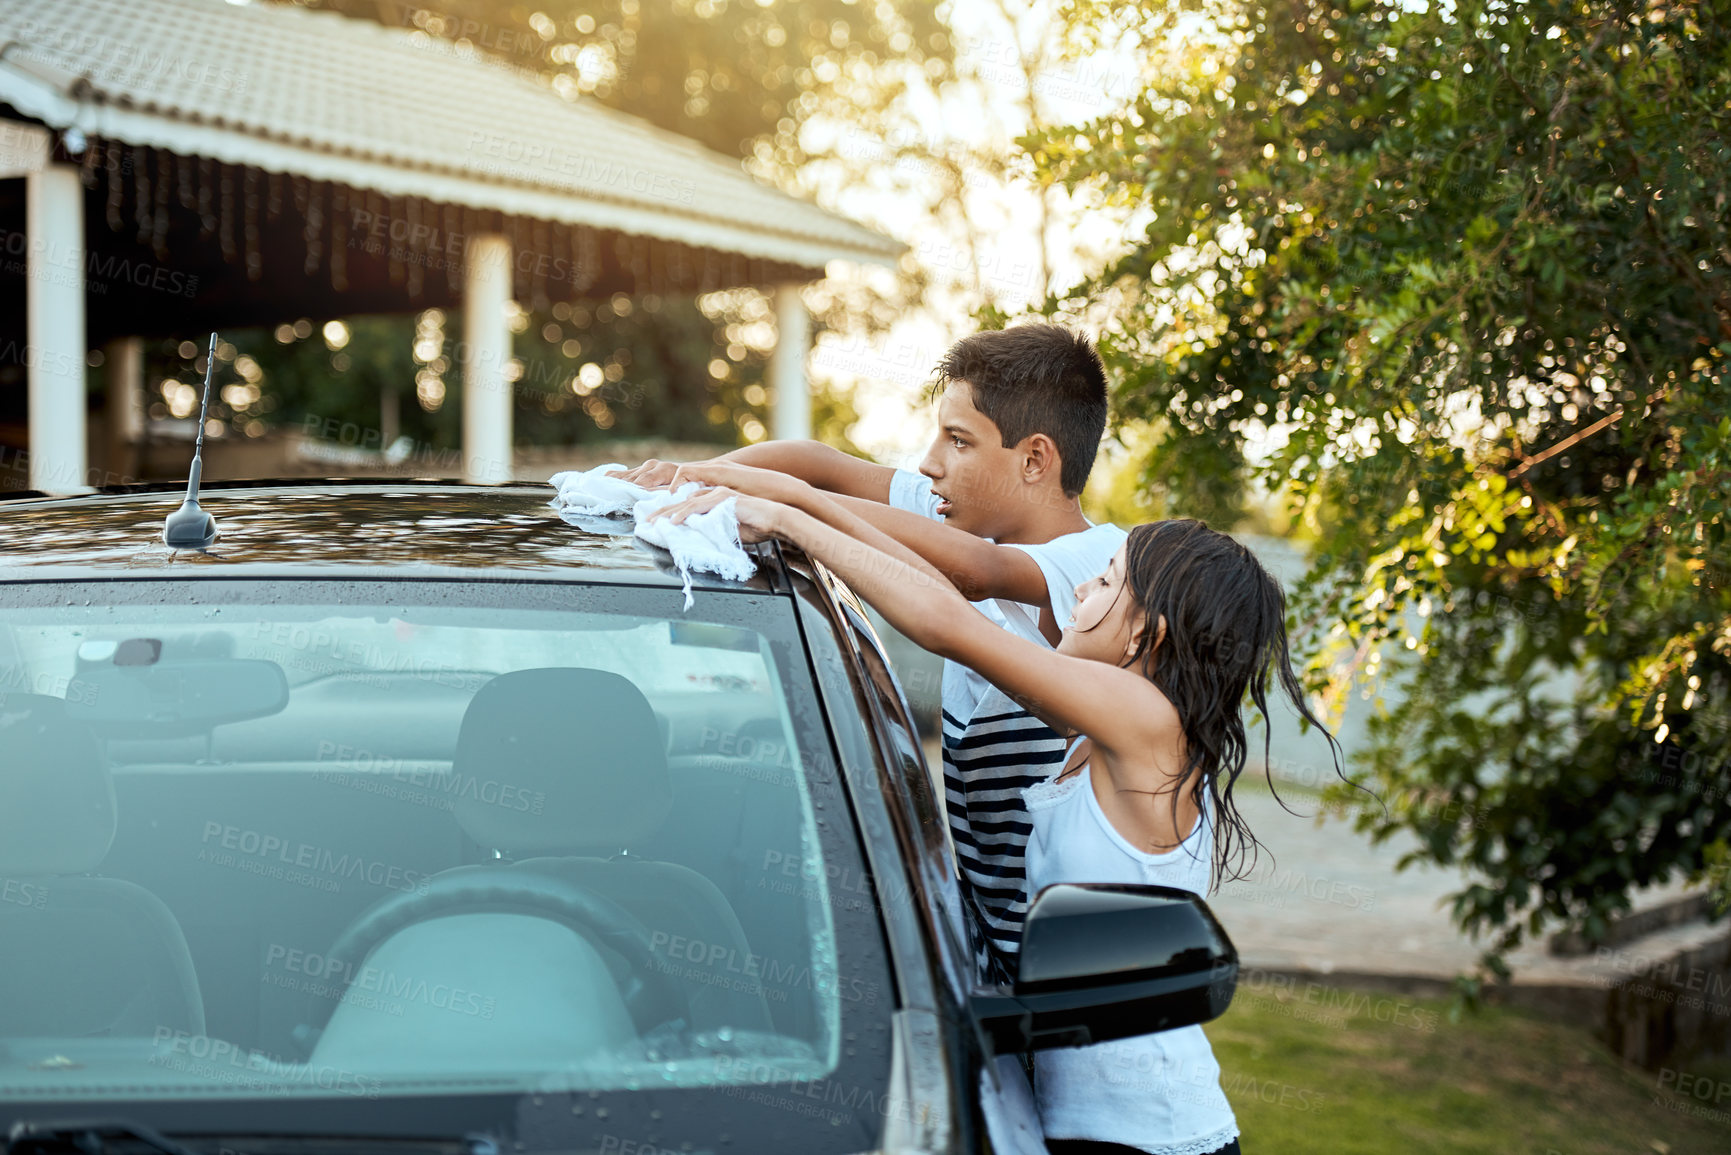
<point x="1150" y="677"/>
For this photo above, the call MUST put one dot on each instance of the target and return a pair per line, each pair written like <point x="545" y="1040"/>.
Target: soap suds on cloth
<point x="707" y="542"/>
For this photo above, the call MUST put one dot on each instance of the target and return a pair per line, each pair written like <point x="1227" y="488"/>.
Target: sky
<point x="986" y="111"/>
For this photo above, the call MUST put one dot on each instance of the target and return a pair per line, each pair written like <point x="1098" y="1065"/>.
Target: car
<point x="408" y="816"/>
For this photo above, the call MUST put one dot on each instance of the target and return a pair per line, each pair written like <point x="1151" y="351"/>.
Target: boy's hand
<point x="759" y="520"/>
<point x="652" y="474"/>
<point x="768" y="484"/>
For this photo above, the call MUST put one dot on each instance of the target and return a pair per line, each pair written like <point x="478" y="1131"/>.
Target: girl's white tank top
<point x="1158" y="1093"/>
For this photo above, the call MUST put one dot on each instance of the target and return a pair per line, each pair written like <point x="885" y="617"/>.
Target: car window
<point x="918" y="798"/>
<point x="372" y="839"/>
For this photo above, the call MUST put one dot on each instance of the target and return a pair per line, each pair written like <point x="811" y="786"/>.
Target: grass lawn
<point x="1351" y="1073"/>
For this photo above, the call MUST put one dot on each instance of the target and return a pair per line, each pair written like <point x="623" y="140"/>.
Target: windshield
<point x="382" y="840"/>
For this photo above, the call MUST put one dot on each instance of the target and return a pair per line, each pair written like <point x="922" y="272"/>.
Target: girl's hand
<point x="703" y="502"/>
<point x="769" y="484"/>
<point x="759" y="520"/>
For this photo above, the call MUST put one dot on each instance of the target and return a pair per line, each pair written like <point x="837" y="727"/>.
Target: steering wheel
<point x="651" y="997"/>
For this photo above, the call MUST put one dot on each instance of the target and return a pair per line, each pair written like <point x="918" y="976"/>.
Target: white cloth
<point x="1158" y="1093"/>
<point x="1066" y="562"/>
<point x="592" y="492"/>
<point x="707" y="542"/>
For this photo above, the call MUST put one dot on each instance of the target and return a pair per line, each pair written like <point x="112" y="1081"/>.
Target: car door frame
<point x="903" y="820"/>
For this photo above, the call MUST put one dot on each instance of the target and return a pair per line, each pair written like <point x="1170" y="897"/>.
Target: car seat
<point x="80" y="955"/>
<point x="559" y="773"/>
<point x="585" y="752"/>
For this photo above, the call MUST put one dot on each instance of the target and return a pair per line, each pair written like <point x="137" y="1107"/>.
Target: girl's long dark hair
<point x="1225" y="636"/>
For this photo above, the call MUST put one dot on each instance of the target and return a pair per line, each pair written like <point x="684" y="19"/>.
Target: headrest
<point x="56" y="798"/>
<point x="557" y="761"/>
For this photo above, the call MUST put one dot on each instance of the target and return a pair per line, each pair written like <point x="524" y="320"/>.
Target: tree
<point x="730" y="75"/>
<point x="1457" y="282"/>
<point x="740" y="78"/>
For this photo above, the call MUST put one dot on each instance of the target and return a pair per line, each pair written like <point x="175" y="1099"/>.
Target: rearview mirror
<point x="169" y="699"/>
<point x="1105" y="961"/>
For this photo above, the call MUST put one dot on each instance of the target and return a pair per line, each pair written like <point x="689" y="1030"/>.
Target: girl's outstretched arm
<point x="791" y="493"/>
<point x="1117" y="708"/>
<point x="977" y="567"/>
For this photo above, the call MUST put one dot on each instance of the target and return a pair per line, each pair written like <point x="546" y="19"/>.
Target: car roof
<point x="414" y="529"/>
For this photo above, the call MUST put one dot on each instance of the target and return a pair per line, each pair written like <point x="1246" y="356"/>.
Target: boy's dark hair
<point x="1225" y="638"/>
<point x="1036" y="378"/>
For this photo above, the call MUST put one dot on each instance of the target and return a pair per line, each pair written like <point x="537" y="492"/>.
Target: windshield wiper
<point x="88" y="1137"/>
<point x="475" y="1144"/>
<point x="110" y="1136"/>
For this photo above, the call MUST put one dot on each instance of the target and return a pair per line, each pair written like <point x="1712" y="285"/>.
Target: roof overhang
<point x="583" y="164"/>
<point x="138" y="128"/>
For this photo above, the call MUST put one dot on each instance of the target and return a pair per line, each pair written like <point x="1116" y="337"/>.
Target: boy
<point x="1021" y="414"/>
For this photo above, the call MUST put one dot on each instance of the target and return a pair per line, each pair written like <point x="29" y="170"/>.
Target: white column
<point x="54" y="295"/>
<point x="787" y="365"/>
<point x="125" y="359"/>
<point x="486" y="351"/>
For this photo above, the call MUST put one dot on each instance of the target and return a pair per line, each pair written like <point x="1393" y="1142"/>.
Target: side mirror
<point x="1107" y="961"/>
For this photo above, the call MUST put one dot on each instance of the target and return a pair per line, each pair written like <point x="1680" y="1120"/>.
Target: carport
<point x="194" y="164"/>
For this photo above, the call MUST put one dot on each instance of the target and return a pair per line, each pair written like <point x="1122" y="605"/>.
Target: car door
<point x="999" y="1108"/>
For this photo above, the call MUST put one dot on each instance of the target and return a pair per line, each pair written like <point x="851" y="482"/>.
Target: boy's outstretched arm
<point x="977" y="567"/>
<point x="813" y="462"/>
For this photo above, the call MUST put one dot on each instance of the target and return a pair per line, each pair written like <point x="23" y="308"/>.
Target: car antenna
<point x="189" y="527"/>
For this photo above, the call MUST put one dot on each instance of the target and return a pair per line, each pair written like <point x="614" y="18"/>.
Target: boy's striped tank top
<point x="988" y="761"/>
